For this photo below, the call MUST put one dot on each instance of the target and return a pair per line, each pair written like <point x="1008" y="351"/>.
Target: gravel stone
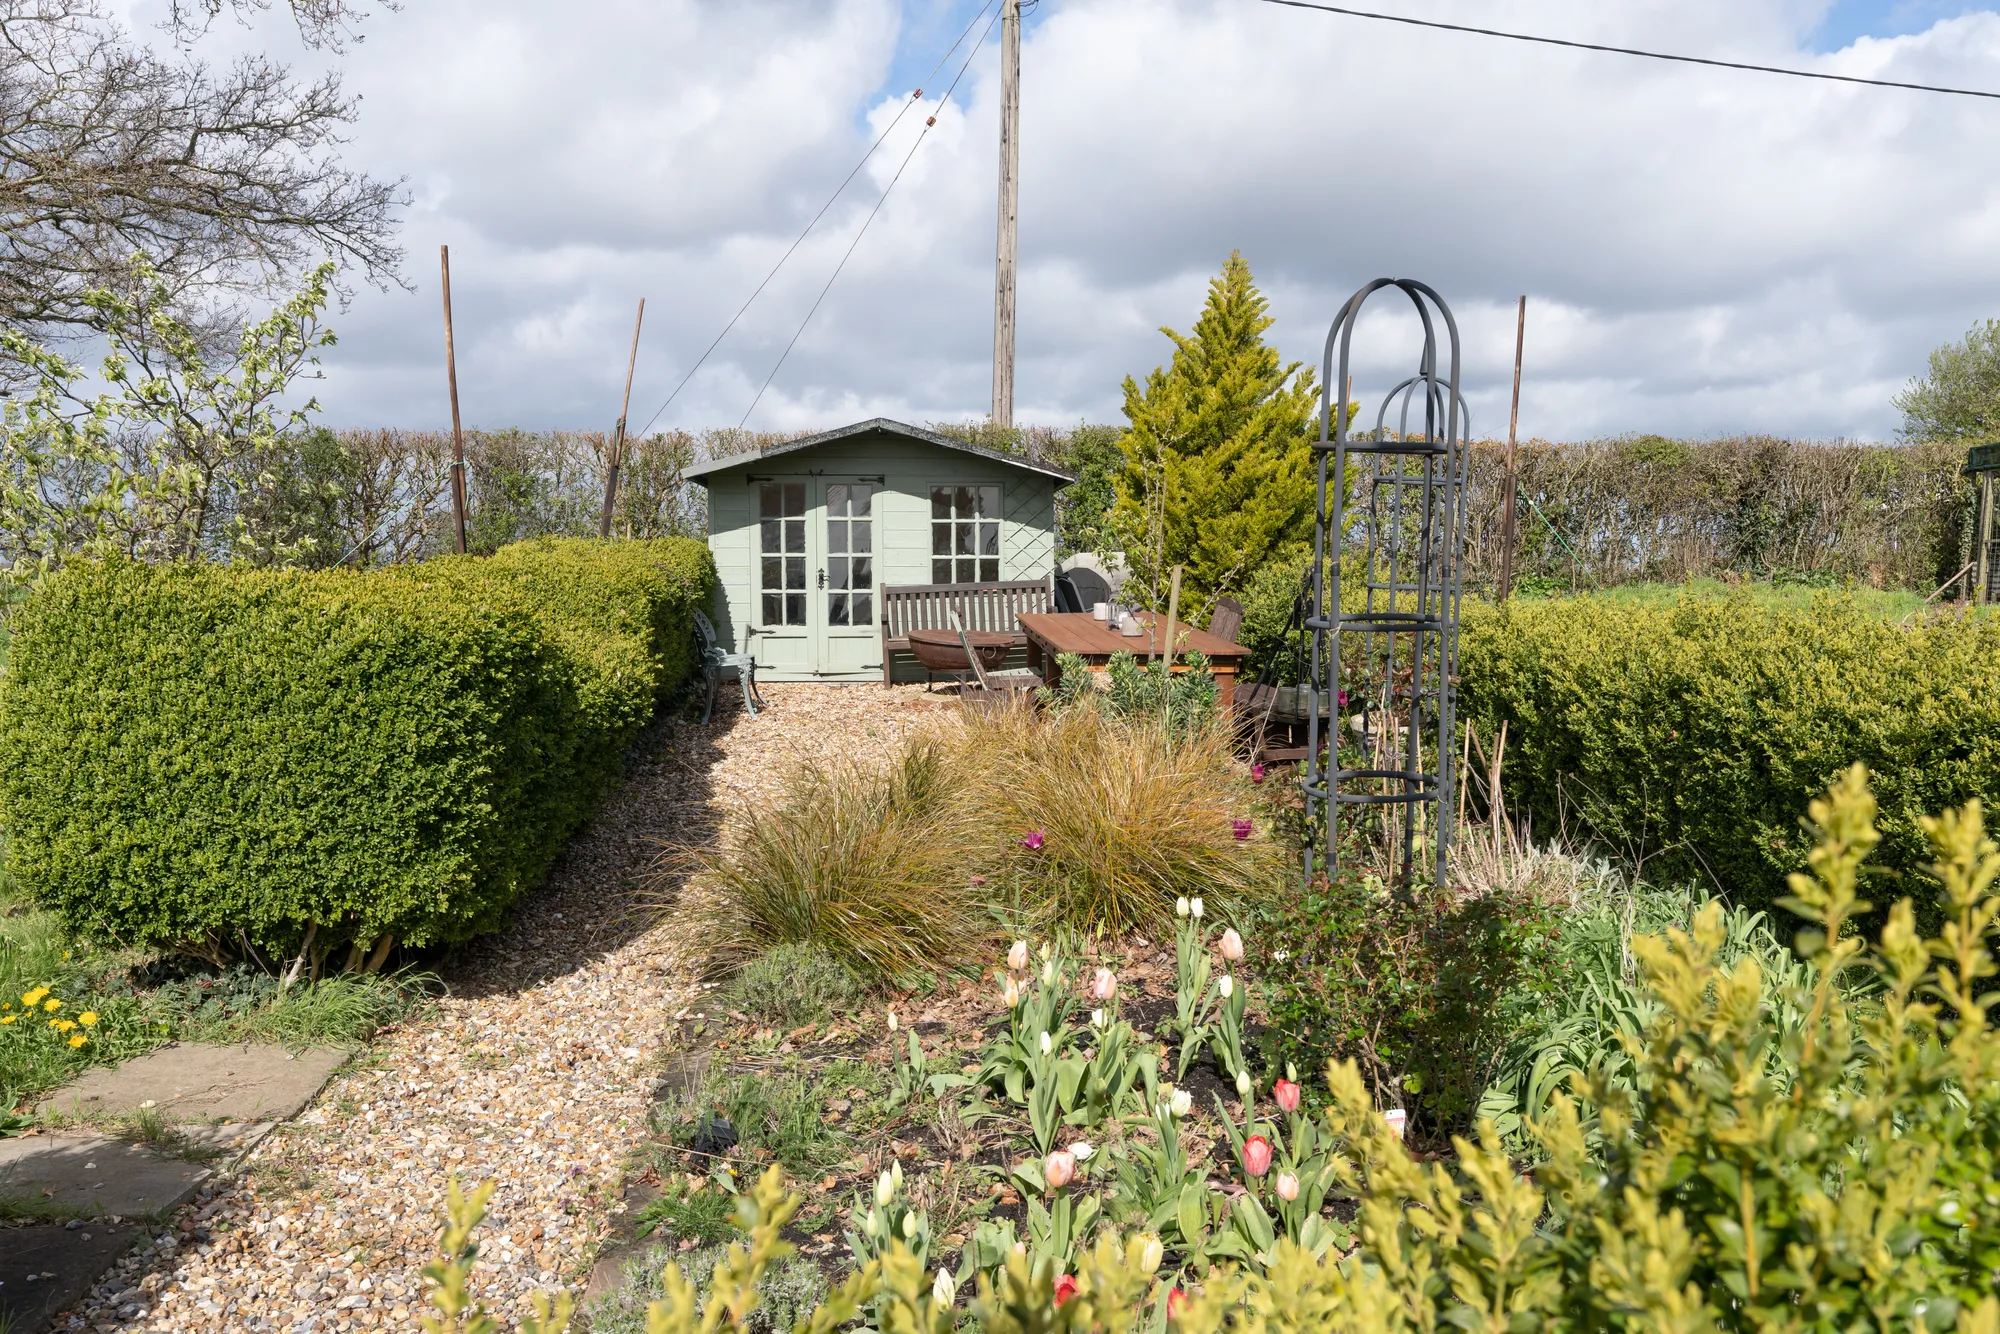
<point x="533" y="1072"/>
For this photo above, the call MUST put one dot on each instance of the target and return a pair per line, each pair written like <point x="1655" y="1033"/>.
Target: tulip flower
<point x="1047" y="1044"/>
<point x="1097" y="1018"/>
<point x="1083" y="1149"/>
<point x="1288" y="1187"/>
<point x="1011" y="993"/>
<point x="1396" y="1117"/>
<point x="1017" y="956"/>
<point x="1182" y="1102"/>
<point x="1176" y="1303"/>
<point x="1065" y="1289"/>
<point x="1256" y="1155"/>
<point x="874" y="1222"/>
<point x="1194" y="907"/>
<point x="1033" y="841"/>
<point x="1343" y="699"/>
<point x="1226" y="985"/>
<point x="979" y="880"/>
<point x="1243" y="1085"/>
<point x="910" y="1226"/>
<point x="885" y="1190"/>
<point x="1231" y="945"/>
<point x="896" y="1174"/>
<point x="1287" y="1094"/>
<point x="1104" y="986"/>
<point x="1240" y="828"/>
<point x="1059" y="1169"/>
<point x="1048" y="972"/>
<point x="1181" y="906"/>
<point x="1257" y="772"/>
<point x="945" y="1291"/>
<point x="892" y="1021"/>
<point x="1152" y="1255"/>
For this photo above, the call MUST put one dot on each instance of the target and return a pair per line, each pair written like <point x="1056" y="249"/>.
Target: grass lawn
<point x="1888" y="603"/>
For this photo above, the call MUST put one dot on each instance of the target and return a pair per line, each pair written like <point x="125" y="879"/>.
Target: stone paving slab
<point x="195" y="1082"/>
<point x="93" y="1176"/>
<point x="46" y="1267"/>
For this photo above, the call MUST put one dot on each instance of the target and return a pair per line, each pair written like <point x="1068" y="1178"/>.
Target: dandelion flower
<point x="88" y="1018"/>
<point x="9" y="1018"/>
<point x="52" y="1005"/>
<point x="78" y="1040"/>
<point x="33" y="998"/>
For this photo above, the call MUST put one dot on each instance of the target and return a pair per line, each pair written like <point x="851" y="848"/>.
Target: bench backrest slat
<point x="991" y="607"/>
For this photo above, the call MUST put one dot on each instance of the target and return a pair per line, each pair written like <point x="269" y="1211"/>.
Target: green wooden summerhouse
<point x="807" y="533"/>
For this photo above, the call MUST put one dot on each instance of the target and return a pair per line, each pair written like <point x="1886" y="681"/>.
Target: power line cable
<point x="1628" y="50"/>
<point x="800" y="240"/>
<point x="921" y="136"/>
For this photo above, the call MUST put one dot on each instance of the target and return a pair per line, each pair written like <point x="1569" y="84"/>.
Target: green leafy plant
<point x="695" y="1212"/>
<point x="794" y="983"/>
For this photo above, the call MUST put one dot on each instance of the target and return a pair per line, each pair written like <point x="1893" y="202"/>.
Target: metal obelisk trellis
<point x="1390" y="515"/>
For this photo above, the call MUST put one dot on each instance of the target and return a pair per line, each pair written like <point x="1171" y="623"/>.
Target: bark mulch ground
<point x="534" y="1072"/>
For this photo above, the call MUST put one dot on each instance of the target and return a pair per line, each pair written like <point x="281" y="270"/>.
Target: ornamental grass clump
<point x="1131" y="815"/>
<point x="872" y="866"/>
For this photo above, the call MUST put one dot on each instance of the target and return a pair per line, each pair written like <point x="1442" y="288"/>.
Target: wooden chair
<point x="1226" y="619"/>
<point x="716" y="662"/>
<point x="995" y="689"/>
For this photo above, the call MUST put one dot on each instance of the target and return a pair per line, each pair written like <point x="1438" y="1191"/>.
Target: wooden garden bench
<point x="989" y="607"/>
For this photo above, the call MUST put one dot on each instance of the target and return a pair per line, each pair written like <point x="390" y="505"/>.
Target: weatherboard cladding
<point x="904" y="462"/>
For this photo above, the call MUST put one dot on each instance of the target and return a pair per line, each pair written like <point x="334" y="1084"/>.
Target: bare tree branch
<point x="229" y="181"/>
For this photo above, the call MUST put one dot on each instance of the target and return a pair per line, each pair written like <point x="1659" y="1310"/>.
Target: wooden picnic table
<point x="1050" y="633"/>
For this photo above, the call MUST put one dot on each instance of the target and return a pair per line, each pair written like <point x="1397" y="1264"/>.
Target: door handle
<point x="822" y="578"/>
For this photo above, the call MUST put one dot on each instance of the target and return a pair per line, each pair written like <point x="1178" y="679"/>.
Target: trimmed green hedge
<point x="200" y="756"/>
<point x="1695" y="732"/>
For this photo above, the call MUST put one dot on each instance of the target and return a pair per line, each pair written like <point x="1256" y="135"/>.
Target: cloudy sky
<point x="1704" y="252"/>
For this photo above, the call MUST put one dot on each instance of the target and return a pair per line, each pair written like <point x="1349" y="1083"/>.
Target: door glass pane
<point x="836" y="500"/>
<point x="861" y="535"/>
<point x="795" y="535"/>
<point x="774" y="572"/>
<point x="770" y="501"/>
<point x="864" y="609"/>
<point x="795" y="572"/>
<point x="795" y="498"/>
<point x="836" y="535"/>
<point x="836" y="609"/>
<point x="774" y="610"/>
<point x="769" y="531"/>
<point x="864" y="496"/>
<point x="864" y="572"/>
<point x="836" y="572"/>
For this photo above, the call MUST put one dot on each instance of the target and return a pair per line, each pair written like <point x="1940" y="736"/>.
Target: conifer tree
<point x="1217" y="470"/>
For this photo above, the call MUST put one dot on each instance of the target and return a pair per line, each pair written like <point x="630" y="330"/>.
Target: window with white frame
<point x="965" y="534"/>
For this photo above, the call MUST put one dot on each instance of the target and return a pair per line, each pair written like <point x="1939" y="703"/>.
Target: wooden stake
<point x="1508" y="531"/>
<point x="1173" y="610"/>
<point x="457" y="437"/>
<point x="1010" y="168"/>
<point x="617" y="451"/>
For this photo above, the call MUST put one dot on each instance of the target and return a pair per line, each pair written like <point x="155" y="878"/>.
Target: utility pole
<point x="1010" y="167"/>
<point x="616" y="453"/>
<point x="457" y="438"/>
<point x="1508" y="532"/>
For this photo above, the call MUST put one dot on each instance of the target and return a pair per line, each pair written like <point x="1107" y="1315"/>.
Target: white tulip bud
<point x="1083" y="1149"/>
<point x="1149" y="1259"/>
<point x="909" y="1227"/>
<point x="1048" y="972"/>
<point x="944" y="1292"/>
<point x="885" y="1190"/>
<point x="1194" y="906"/>
<point x="892" y="1021"/>
<point x="1048" y="1045"/>
<point x="896" y="1173"/>
<point x="1182" y="1102"/>
<point x="1097" y="1018"/>
<point x="1243" y="1084"/>
<point x="874" y="1222"/>
<point x="1225" y="984"/>
<point x="1181" y="906"/>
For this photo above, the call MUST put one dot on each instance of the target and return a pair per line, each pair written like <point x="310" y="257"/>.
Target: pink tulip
<point x="1033" y="842"/>
<point x="1256" y="1155"/>
<point x="1287" y="1094"/>
<point x="1017" y="956"/>
<point x="1104" y="986"/>
<point x="1176" y="1303"/>
<point x="1240" y="828"/>
<point x="979" y="880"/>
<point x="1288" y="1187"/>
<point x="1396" y="1117"/>
<point x="1065" y="1289"/>
<point x="1343" y="699"/>
<point x="1060" y="1167"/>
<point x="1232" y="945"/>
<point x="1257" y="772"/>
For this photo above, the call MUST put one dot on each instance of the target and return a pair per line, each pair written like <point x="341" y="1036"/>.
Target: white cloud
<point x="1705" y="251"/>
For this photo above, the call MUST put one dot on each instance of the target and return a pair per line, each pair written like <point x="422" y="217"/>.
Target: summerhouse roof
<point x="879" y="426"/>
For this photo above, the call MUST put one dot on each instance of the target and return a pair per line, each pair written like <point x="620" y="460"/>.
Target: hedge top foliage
<point x="1694" y="732"/>
<point x="217" y="758"/>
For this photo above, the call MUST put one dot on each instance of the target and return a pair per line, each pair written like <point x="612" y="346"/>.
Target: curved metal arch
<point x="1396" y="505"/>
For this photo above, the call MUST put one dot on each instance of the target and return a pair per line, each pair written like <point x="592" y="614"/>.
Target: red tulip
<point x="1033" y="841"/>
<point x="1256" y="1155"/>
<point x="1065" y="1289"/>
<point x="1257" y="772"/>
<point x="1287" y="1094"/>
<point x="1176" y="1303"/>
<point x="1241" y="828"/>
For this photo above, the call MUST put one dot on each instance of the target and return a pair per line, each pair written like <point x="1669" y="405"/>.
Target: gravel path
<point x="534" y="1072"/>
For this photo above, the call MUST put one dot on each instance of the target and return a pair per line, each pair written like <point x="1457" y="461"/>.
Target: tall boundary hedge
<point x="211" y="758"/>
<point x="1695" y="732"/>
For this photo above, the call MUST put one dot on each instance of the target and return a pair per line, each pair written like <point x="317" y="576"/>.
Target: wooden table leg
<point x="1225" y="688"/>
